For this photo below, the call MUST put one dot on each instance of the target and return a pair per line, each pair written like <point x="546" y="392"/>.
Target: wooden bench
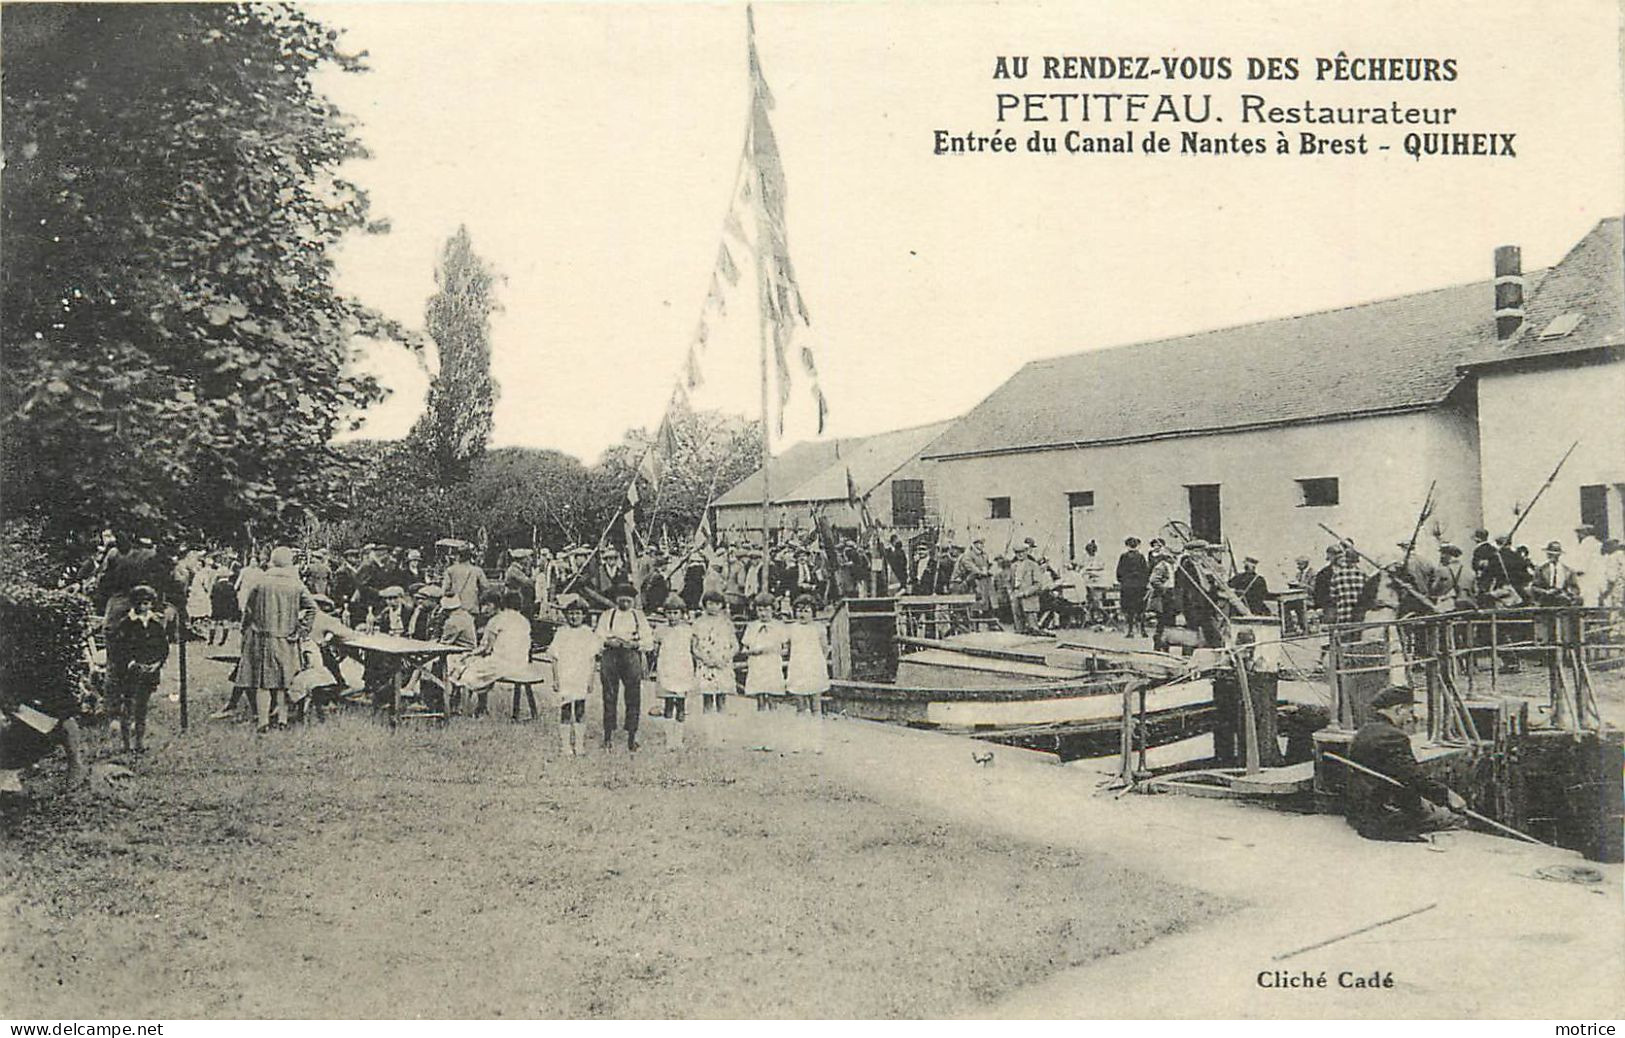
<point x="525" y="678"/>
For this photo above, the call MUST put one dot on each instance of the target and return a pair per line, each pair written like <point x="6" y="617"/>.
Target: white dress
<point x="509" y="632"/>
<point x="674" y="660"/>
<point x="809" y="669"/>
<point x="575" y="655"/>
<point x="764" y="674"/>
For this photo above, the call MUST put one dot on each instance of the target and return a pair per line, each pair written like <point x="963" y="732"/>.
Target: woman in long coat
<point x="277" y="617"/>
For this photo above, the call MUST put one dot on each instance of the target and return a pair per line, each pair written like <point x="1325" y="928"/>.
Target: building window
<point x="1317" y="493"/>
<point x="1594" y="509"/>
<point x="998" y="508"/>
<point x="1205" y="511"/>
<point x="908" y="503"/>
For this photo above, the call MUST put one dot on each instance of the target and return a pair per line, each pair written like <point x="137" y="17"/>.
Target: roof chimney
<point x="1508" y="291"/>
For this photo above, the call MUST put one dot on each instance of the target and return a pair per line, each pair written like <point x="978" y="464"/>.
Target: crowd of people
<point x="296" y="615"/>
<point x="684" y="619"/>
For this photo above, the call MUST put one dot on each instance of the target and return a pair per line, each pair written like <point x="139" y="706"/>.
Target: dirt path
<point x="1500" y="943"/>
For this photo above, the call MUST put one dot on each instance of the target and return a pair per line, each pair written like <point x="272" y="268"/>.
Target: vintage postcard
<point x="680" y="511"/>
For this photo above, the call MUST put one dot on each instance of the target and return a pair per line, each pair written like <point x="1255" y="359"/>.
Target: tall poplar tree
<point x="455" y="427"/>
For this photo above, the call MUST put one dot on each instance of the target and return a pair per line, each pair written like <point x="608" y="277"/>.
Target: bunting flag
<point x="693" y="377"/>
<point x="725" y="261"/>
<point x="760" y="185"/>
<point x="852" y="496"/>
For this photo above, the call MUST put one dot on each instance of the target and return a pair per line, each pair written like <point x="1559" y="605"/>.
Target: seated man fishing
<point x="1408" y="806"/>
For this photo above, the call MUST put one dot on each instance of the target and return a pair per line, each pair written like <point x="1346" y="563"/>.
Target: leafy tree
<point x="706" y="453"/>
<point x="176" y="354"/>
<point x="396" y="499"/>
<point x="518" y="493"/>
<point x="456" y="423"/>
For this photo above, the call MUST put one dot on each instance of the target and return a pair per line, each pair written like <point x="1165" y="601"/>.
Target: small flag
<point x="651" y="467"/>
<point x="666" y="436"/>
<point x="632" y="491"/>
<point x="851" y="487"/>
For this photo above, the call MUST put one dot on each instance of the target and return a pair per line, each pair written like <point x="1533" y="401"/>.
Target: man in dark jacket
<point x="1133" y="575"/>
<point x="1381" y="810"/>
<point x="1251" y="586"/>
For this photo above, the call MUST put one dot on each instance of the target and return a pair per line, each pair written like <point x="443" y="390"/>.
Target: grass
<point x="472" y="871"/>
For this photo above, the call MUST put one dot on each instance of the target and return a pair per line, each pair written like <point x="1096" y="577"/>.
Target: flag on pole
<point x="651" y="467"/>
<point x="666" y="437"/>
<point x="780" y="294"/>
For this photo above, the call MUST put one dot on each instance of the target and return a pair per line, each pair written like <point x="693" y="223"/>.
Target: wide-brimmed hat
<point x="393" y="591"/>
<point x="429" y="591"/>
<point x="623" y="590"/>
<point x="1555" y="547"/>
<point x="674" y="602"/>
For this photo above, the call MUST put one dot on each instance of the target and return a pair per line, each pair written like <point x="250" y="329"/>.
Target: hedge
<point x="42" y="648"/>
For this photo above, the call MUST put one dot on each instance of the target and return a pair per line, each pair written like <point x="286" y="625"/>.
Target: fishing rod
<point x="1421" y="517"/>
<point x="1543" y="488"/>
<point x="1469" y="812"/>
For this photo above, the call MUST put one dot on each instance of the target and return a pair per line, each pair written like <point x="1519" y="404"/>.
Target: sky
<point x="591" y="150"/>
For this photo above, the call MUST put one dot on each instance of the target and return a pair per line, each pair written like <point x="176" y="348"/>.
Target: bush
<point x="42" y="648"/>
<point x="24" y="557"/>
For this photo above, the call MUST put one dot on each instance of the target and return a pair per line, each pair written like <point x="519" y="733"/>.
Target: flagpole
<point x="767" y="442"/>
<point x="762" y="290"/>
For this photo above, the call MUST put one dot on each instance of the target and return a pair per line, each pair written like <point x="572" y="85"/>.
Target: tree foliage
<point x="517" y="494"/>
<point x="176" y="354"/>
<point x="456" y="422"/>
<point x="705" y="453"/>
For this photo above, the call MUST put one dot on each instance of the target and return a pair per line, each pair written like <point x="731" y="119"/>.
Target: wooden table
<point x="407" y="653"/>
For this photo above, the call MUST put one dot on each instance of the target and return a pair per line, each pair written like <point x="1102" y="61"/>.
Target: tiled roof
<point x="1589" y="284"/>
<point x="816" y="470"/>
<point x="1383" y="357"/>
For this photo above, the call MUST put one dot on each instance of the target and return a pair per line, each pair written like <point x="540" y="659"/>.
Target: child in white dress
<point x="575" y="652"/>
<point x="674" y="667"/>
<point x="763" y="642"/>
<point x="808" y="677"/>
<point x="715" y="646"/>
